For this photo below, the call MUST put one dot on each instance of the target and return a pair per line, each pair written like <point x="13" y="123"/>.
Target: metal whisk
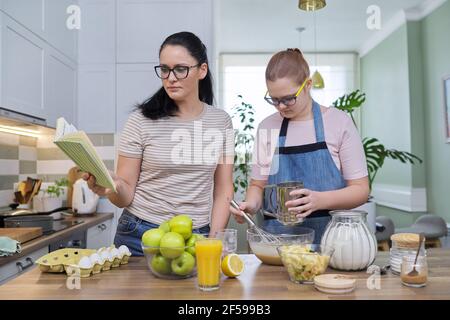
<point x="265" y="236"/>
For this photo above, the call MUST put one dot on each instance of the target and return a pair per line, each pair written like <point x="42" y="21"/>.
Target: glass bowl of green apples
<point x="170" y="249"/>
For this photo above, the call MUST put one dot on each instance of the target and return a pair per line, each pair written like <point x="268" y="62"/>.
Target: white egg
<point x="115" y="253"/>
<point x="105" y="255"/>
<point x="123" y="249"/>
<point x="85" y="263"/>
<point x="101" y="250"/>
<point x="96" y="259"/>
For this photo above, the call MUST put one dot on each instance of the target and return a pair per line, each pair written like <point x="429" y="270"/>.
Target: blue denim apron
<point x="311" y="164"/>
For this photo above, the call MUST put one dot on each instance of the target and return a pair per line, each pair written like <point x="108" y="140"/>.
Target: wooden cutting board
<point x="21" y="234"/>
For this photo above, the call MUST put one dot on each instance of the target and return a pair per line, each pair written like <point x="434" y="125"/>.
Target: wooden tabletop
<point x="45" y="240"/>
<point x="259" y="281"/>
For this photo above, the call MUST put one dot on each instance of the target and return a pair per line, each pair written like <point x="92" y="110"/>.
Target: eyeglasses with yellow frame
<point x="287" y="101"/>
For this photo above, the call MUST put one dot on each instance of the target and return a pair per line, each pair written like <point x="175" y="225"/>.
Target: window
<point x="243" y="74"/>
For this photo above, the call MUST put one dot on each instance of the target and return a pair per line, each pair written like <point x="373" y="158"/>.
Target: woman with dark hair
<point x="176" y="151"/>
<point x="316" y="145"/>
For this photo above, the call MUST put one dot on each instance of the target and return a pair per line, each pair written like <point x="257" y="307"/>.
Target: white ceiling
<point x="270" y="25"/>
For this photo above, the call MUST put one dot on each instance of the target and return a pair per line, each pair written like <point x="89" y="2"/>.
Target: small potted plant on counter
<point x="50" y="198"/>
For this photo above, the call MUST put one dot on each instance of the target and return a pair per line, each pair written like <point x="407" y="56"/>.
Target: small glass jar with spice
<point x="414" y="273"/>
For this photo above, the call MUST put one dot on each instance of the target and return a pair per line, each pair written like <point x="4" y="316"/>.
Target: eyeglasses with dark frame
<point x="287" y="101"/>
<point x="180" y="72"/>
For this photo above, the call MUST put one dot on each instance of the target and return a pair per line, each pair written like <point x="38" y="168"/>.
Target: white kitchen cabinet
<point x="97" y="38"/>
<point x="60" y="94"/>
<point x="22" y="63"/>
<point x="56" y="31"/>
<point x="97" y="67"/>
<point x="1" y="51"/>
<point x="21" y="265"/>
<point x="105" y="206"/>
<point x="97" y="98"/>
<point x="37" y="79"/>
<point x="47" y="19"/>
<point x="29" y="13"/>
<point x="135" y="83"/>
<point x="143" y="25"/>
<point x="100" y="235"/>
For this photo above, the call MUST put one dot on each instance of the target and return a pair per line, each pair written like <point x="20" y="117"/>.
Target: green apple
<point x="160" y="264"/>
<point x="184" y="264"/>
<point x="152" y="238"/>
<point x="172" y="245"/>
<point x="165" y="226"/>
<point x="191" y="242"/>
<point x="181" y="224"/>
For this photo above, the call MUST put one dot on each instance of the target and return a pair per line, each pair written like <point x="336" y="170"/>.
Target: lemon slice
<point x="232" y="265"/>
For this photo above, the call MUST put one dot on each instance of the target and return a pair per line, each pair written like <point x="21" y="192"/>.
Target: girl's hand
<point x="309" y="202"/>
<point x="244" y="206"/>
<point x="101" y="191"/>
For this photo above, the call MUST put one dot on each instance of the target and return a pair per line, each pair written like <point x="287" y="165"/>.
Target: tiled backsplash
<point x="17" y="153"/>
<point x="22" y="157"/>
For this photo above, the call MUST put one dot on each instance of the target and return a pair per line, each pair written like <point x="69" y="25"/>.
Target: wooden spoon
<point x="414" y="272"/>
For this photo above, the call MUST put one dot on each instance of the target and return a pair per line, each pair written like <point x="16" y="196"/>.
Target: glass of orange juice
<point x="208" y="252"/>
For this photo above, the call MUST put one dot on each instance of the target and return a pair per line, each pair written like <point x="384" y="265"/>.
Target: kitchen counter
<point x="45" y="240"/>
<point x="259" y="281"/>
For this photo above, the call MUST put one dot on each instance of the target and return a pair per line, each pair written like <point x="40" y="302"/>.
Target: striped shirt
<point x="179" y="159"/>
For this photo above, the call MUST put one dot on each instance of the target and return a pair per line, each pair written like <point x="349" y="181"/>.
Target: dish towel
<point x="9" y="246"/>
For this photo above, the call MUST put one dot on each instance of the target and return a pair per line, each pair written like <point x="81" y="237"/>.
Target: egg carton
<point x="54" y="261"/>
<point x="84" y="262"/>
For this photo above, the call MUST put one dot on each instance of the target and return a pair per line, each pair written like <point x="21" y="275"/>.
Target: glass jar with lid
<point x="404" y="245"/>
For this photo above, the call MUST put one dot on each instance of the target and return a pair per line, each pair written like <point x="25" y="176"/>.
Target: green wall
<point x="416" y="98"/>
<point x="435" y="30"/>
<point x="386" y="114"/>
<point x="402" y="78"/>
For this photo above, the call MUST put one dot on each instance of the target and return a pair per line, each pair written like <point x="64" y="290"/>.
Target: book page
<point x="63" y="128"/>
<point x="79" y="148"/>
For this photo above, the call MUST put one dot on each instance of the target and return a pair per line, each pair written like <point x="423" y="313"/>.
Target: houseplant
<point x="376" y="153"/>
<point x="243" y="144"/>
<point x="50" y="198"/>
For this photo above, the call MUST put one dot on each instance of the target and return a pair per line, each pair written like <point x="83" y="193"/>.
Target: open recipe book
<point x="78" y="147"/>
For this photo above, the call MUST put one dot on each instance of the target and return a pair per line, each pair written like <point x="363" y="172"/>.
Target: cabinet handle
<point x="75" y="243"/>
<point x="24" y="267"/>
<point x="102" y="227"/>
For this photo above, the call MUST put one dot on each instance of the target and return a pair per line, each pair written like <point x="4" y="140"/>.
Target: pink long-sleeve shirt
<point x="341" y="137"/>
